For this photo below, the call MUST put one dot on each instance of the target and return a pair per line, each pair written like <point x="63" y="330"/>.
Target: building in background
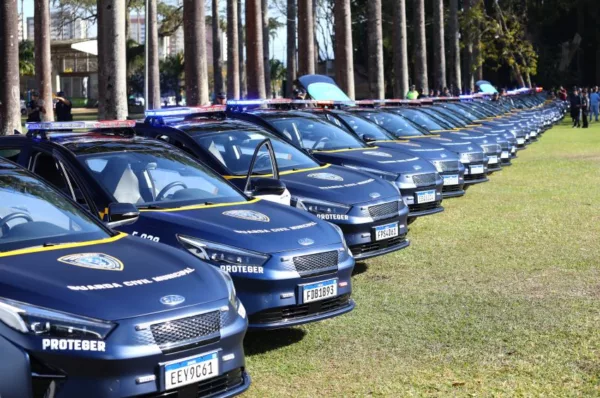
<point x="61" y="28"/>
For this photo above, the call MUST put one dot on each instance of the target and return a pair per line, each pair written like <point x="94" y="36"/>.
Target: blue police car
<point x="288" y="266"/>
<point x="369" y="210"/>
<point x="88" y="312"/>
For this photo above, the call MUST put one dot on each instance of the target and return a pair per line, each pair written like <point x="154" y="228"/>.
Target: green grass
<point x="497" y="296"/>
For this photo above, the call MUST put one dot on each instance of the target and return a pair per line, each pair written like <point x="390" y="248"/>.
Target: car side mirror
<point x="120" y="214"/>
<point x="368" y="138"/>
<point x="266" y="186"/>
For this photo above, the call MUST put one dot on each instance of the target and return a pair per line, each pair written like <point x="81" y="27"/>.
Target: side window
<point x="10" y="153"/>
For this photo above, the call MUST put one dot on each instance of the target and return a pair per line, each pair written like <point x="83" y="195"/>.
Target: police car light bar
<point x="244" y="102"/>
<point x="103" y="124"/>
<point x="184" y="111"/>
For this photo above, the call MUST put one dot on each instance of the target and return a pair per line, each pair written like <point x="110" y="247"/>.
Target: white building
<point x="61" y="28"/>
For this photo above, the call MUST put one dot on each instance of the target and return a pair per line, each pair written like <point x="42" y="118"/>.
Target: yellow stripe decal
<point x="349" y="149"/>
<point x="474" y="125"/>
<point x="281" y="173"/>
<point x="196" y="207"/>
<point x="391" y="141"/>
<point x="430" y="135"/>
<point x="63" y="246"/>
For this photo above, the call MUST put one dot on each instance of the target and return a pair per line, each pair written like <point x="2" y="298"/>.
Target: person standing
<point x="585" y="106"/>
<point x="594" y="103"/>
<point x="575" y="107"/>
<point x="35" y="108"/>
<point x="221" y="98"/>
<point x="412" y="94"/>
<point x="63" y="108"/>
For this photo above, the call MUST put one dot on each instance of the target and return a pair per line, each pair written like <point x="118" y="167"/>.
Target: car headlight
<point x="343" y="239"/>
<point x="319" y="206"/>
<point x="230" y="288"/>
<point x="222" y="255"/>
<point x="39" y="321"/>
<point x="235" y="304"/>
<point x="380" y="173"/>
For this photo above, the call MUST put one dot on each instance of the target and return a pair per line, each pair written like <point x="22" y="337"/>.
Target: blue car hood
<point x="473" y="137"/>
<point x="256" y="225"/>
<point x="452" y="144"/>
<point x="132" y="277"/>
<point x="421" y="148"/>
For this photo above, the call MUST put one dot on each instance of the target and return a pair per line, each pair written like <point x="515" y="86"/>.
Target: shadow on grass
<point x="359" y="268"/>
<point x="261" y="342"/>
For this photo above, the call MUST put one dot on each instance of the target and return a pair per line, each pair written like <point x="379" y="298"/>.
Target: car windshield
<point x="235" y="148"/>
<point x="395" y="124"/>
<point x="360" y="126"/>
<point x="450" y="119"/>
<point x="312" y="133"/>
<point x="419" y="119"/>
<point x="34" y="214"/>
<point x="158" y="178"/>
<point x="464" y="112"/>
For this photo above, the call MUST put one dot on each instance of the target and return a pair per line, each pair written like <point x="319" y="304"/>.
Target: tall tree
<point x="153" y="99"/>
<point x="468" y="58"/>
<point x="420" y="47"/>
<point x="266" y="35"/>
<point x="344" y="57"/>
<point x="254" y="47"/>
<point x="375" y="33"/>
<point x="439" y="51"/>
<point x="233" y="55"/>
<point x="241" y="43"/>
<point x="454" y="50"/>
<point x="196" y="73"/>
<point x="306" y="38"/>
<point x="43" y="65"/>
<point x="112" y="60"/>
<point x="216" y="48"/>
<point x="10" y="108"/>
<point x="400" y="42"/>
<point x="292" y="65"/>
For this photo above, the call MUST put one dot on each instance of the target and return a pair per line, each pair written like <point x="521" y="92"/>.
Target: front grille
<point x="384" y="210"/>
<point x="294" y="312"/>
<point x="215" y="386"/>
<point x="186" y="331"/>
<point x="491" y="149"/>
<point x="448" y="165"/>
<point x="376" y="246"/>
<point x="452" y="188"/>
<point x="316" y="264"/>
<point x="472" y="177"/>
<point x="424" y="206"/>
<point x="475" y="157"/>
<point x="422" y="180"/>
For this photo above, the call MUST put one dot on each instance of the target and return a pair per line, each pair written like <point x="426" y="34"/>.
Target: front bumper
<point x="478" y="178"/>
<point x="419" y="208"/>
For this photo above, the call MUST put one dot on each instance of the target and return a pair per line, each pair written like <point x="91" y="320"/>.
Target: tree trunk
<point x="241" y="41"/>
<point x="233" y="55"/>
<point x="454" y="53"/>
<point x="400" y="42"/>
<point x="374" y="28"/>
<point x="254" y="47"/>
<point x="315" y="15"/>
<point x="420" y="47"/>
<point x="43" y="65"/>
<point x="306" y="38"/>
<point x="112" y="64"/>
<point x="196" y="73"/>
<point x="468" y="54"/>
<point x="217" y="53"/>
<point x="292" y="66"/>
<point x="439" y="51"/>
<point x="266" y="57"/>
<point x="153" y="61"/>
<point x="344" y="56"/>
<point x="10" y="110"/>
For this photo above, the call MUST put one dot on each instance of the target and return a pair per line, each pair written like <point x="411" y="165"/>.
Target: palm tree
<point x="468" y="59"/>
<point x="217" y="53"/>
<point x="266" y="36"/>
<point x="43" y="65"/>
<point x="374" y="31"/>
<point x="196" y="73"/>
<point x="439" y="52"/>
<point x="292" y="66"/>
<point x="420" y="47"/>
<point x="344" y="57"/>
<point x="26" y="58"/>
<point x="254" y="47"/>
<point x="10" y="108"/>
<point x="233" y="55"/>
<point x="153" y="100"/>
<point x="454" y="50"/>
<point x="112" y="60"/>
<point x="241" y="43"/>
<point x="400" y="42"/>
<point x="306" y="38"/>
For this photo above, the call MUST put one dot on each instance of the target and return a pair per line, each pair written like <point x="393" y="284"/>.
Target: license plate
<point x="520" y="141"/>
<point x="426" y="196"/>
<point x="493" y="159"/>
<point x="477" y="169"/>
<point x="505" y="155"/>
<point x="191" y="370"/>
<point x="386" y="231"/>
<point x="513" y="150"/>
<point x="451" y="180"/>
<point x="319" y="291"/>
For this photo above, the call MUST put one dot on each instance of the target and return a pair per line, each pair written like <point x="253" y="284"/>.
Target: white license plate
<point x="505" y="155"/>
<point x="451" y="179"/>
<point x="477" y="169"/>
<point x="520" y="141"/>
<point x="426" y="196"/>
<point x="386" y="231"/>
<point x="191" y="370"/>
<point x="513" y="150"/>
<point x="493" y="159"/>
<point x="319" y="291"/>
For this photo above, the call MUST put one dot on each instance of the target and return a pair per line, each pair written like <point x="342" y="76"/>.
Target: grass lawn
<point x="497" y="296"/>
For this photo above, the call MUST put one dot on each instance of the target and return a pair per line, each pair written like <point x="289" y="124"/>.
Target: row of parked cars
<point x="135" y="254"/>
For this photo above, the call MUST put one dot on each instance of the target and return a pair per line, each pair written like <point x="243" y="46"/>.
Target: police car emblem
<point x="99" y="261"/>
<point x="306" y="241"/>
<point x="470" y="148"/>
<point x="378" y="154"/>
<point x="326" y="176"/>
<point x="443" y="155"/>
<point x="374" y="195"/>
<point x="172" y="299"/>
<point x="417" y="167"/>
<point x="249" y="215"/>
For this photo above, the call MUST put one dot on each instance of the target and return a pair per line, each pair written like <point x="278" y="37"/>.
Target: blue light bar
<point x="244" y="102"/>
<point x="104" y="124"/>
<point x="184" y="111"/>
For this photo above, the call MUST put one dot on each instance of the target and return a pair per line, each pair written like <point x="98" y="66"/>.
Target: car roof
<point x="96" y="142"/>
<point x="275" y="113"/>
<point x="198" y="126"/>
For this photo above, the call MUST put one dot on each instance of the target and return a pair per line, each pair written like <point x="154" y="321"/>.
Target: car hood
<point x="256" y="225"/>
<point x="132" y="276"/>
<point x="452" y="144"/>
<point x="474" y="137"/>
<point x="421" y="148"/>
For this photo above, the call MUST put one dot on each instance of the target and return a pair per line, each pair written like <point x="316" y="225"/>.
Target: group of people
<point x="62" y="108"/>
<point x="585" y="103"/>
